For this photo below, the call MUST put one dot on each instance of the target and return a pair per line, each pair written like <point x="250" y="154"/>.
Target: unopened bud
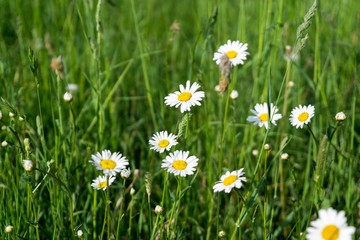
<point x="11" y="114"/>
<point x="132" y="191"/>
<point x="27" y="144"/>
<point x="267" y="147"/>
<point x="4" y="143"/>
<point x="9" y="228"/>
<point x="79" y="233"/>
<point x="158" y="210"/>
<point x="340" y="116"/>
<point x="234" y="94"/>
<point x="28" y="165"/>
<point x="255" y="152"/>
<point x="68" y="97"/>
<point x="221" y="234"/>
<point x="125" y="173"/>
<point x="284" y="156"/>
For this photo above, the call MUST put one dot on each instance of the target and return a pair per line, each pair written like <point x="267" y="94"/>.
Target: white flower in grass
<point x="261" y="117"/>
<point x="301" y="115"/>
<point x="331" y="225"/>
<point x="234" y="50"/>
<point x="102" y="182"/>
<point x="234" y="94"/>
<point x="179" y="163"/>
<point x="186" y="97"/>
<point x="340" y="116"/>
<point x="162" y="141"/>
<point x="109" y="163"/>
<point x="230" y="180"/>
<point x="28" y="165"/>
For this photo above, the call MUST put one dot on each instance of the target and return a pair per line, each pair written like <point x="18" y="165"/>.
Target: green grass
<point x="125" y="59"/>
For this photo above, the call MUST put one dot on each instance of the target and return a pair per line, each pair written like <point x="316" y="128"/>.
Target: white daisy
<point x="186" y="97"/>
<point x="331" y="225"/>
<point x="109" y="163"/>
<point x="102" y="182"/>
<point x="261" y="117"/>
<point x="301" y="115"/>
<point x="179" y="163"/>
<point x="162" y="141"/>
<point x="234" y="50"/>
<point x="230" y="180"/>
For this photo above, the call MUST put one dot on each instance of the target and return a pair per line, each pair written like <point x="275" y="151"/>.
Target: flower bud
<point x="267" y="147"/>
<point x="11" y="114"/>
<point x="9" y="228"/>
<point x="340" y="116"/>
<point x="68" y="97"/>
<point x="125" y="173"/>
<point x="234" y="94"/>
<point x="221" y="234"/>
<point x="28" y="165"/>
<point x="132" y="191"/>
<point x="4" y="143"/>
<point x="158" y="210"/>
<point x="284" y="156"/>
<point x="79" y="233"/>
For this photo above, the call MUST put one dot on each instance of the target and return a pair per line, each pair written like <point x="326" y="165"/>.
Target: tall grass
<point x="125" y="57"/>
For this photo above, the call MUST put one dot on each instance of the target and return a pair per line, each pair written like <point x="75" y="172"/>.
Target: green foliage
<point x="125" y="57"/>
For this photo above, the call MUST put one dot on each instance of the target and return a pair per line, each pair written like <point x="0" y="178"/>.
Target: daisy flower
<point x="331" y="225"/>
<point x="109" y="163"/>
<point x="162" y="141"/>
<point x="186" y="97"/>
<point x="102" y="182"/>
<point x="301" y="115"/>
<point x="230" y="180"/>
<point x="234" y="50"/>
<point x="261" y="117"/>
<point x="179" y="163"/>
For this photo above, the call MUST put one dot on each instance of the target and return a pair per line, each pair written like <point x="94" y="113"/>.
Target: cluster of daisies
<point x="331" y="225"/>
<point x="179" y="162"/>
<point x="110" y="164"/>
<point x="299" y="116"/>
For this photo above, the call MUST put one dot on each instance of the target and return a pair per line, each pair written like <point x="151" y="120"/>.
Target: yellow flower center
<point x="264" y="117"/>
<point x="231" y="54"/>
<point x="107" y="164"/>
<point x="229" y="180"/>
<point x="330" y="232"/>
<point x="303" y="116"/>
<point x="163" y="143"/>
<point x="102" y="184"/>
<point x="179" y="164"/>
<point x="184" y="96"/>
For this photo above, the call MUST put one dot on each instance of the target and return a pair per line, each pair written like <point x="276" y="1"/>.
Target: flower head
<point x="340" y="116"/>
<point x="102" y="182"/>
<point x="301" y="115"/>
<point x="68" y="97"/>
<point x="230" y="180"/>
<point x="179" y="163"/>
<point x="28" y="165"/>
<point x="331" y="225"/>
<point x="9" y="228"/>
<point x="186" y="97"/>
<point x="125" y="173"/>
<point x="109" y="163"/>
<point x="234" y="50"/>
<point x="158" y="210"/>
<point x="162" y="141"/>
<point x="234" y="94"/>
<point x="261" y="117"/>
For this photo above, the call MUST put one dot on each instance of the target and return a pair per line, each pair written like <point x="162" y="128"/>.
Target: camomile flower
<point x="230" y="180"/>
<point x="109" y="163"/>
<point x="301" y="115"/>
<point x="162" y="141"/>
<point x="261" y="117"/>
<point x="234" y="50"/>
<point x="102" y="182"/>
<point x="179" y="163"/>
<point x="331" y="225"/>
<point x="186" y="97"/>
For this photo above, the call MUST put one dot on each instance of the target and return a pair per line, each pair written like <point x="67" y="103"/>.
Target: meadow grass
<point x="126" y="57"/>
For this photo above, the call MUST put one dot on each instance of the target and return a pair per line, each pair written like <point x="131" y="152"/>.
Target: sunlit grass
<point x="125" y="58"/>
